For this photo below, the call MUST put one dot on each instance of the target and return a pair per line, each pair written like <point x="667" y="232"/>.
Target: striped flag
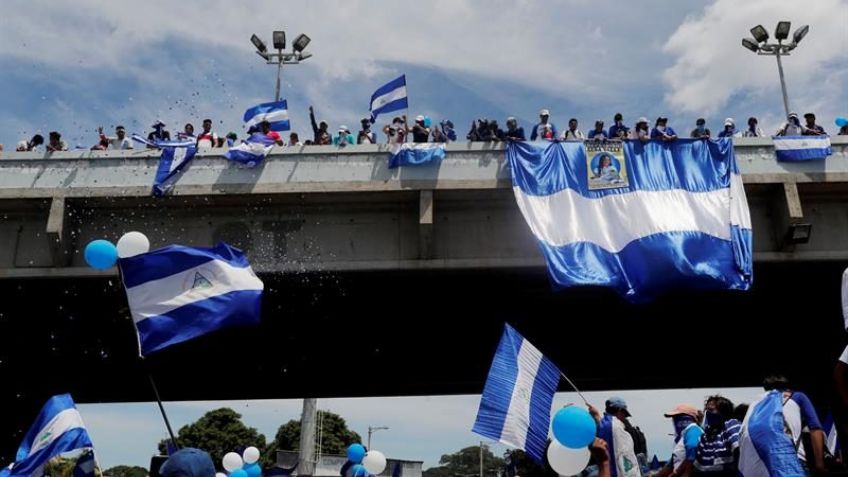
<point x="57" y="429"/>
<point x="389" y="98"/>
<point x="801" y="148"/>
<point x="515" y="407"/>
<point x="252" y="151"/>
<point x="765" y="450"/>
<point x="276" y="113"/>
<point x="179" y="293"/>
<point x="85" y="465"/>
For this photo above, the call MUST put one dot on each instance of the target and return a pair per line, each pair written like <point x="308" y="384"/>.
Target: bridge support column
<point x="791" y="229"/>
<point x="425" y="225"/>
<point x="56" y="236"/>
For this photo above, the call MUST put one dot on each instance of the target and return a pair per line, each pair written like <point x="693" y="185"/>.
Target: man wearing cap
<point x="729" y="129"/>
<point x="420" y="131"/>
<point x="811" y="128"/>
<point x="344" y="137"/>
<point x="188" y="462"/>
<point x="513" y="132"/>
<point x="640" y="131"/>
<point x="618" y="130"/>
<point x="701" y="130"/>
<point x="545" y="129"/>
<point x="753" y="130"/>
<point x="612" y="428"/>
<point x="792" y="126"/>
<point x="598" y="134"/>
<point x="663" y="131"/>
<point x="687" y="435"/>
<point x="159" y="133"/>
<point x="365" y="135"/>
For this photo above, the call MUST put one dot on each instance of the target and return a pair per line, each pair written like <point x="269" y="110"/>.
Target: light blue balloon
<point x="100" y="254"/>
<point x="239" y="473"/>
<point x="253" y="470"/>
<point x="840" y="121"/>
<point x="358" y="471"/>
<point x="574" y="427"/>
<point x="427" y="121"/>
<point x="355" y="453"/>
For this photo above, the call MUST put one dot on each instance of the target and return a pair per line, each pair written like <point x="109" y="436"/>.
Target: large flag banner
<point x="178" y="293"/>
<point x="162" y="144"/>
<point x="765" y="450"/>
<point x="801" y="148"/>
<point x="416" y="154"/>
<point x="251" y="151"/>
<point x="275" y="112"/>
<point x="172" y="163"/>
<point x="680" y="220"/>
<point x="389" y="98"/>
<point x="515" y="407"/>
<point x="57" y="429"/>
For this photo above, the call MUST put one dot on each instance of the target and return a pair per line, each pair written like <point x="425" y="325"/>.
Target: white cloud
<point x="712" y="70"/>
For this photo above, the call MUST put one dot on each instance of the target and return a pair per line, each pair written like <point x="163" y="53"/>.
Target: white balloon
<point x="251" y="455"/>
<point x="567" y="461"/>
<point x="374" y="462"/>
<point x="132" y="244"/>
<point x="220" y="474"/>
<point x="232" y="461"/>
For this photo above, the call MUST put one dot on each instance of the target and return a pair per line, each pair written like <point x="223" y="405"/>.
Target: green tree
<point x="525" y="466"/>
<point x="466" y="463"/>
<point x="335" y="437"/>
<point x="64" y="466"/>
<point x="218" y="432"/>
<point x="126" y="471"/>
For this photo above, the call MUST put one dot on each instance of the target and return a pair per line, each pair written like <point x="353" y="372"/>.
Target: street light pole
<point x="759" y="45"/>
<point x="372" y="430"/>
<point x="281" y="58"/>
<point x="280" y="72"/>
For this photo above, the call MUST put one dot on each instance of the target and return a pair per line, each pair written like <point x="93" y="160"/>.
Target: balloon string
<point x="575" y="388"/>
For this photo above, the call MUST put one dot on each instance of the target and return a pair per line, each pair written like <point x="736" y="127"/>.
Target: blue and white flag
<point x="276" y="113"/>
<point x="162" y="144"/>
<point x="416" y="154"/>
<point x="765" y="450"/>
<point x="85" y="465"/>
<point x="801" y="148"/>
<point x="680" y="220"/>
<point x="58" y="429"/>
<point x="251" y="151"/>
<point x="515" y="408"/>
<point x="389" y="98"/>
<point x="172" y="163"/>
<point x="178" y="293"/>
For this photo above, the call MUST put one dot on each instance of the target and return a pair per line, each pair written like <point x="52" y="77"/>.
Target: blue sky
<point x="422" y="428"/>
<point x="74" y="66"/>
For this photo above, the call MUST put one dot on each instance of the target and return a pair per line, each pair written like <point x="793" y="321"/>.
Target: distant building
<point x="329" y="465"/>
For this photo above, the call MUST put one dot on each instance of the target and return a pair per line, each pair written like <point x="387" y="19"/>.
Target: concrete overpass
<point x="405" y="273"/>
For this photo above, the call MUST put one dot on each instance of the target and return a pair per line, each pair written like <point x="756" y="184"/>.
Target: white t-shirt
<point x="115" y="143"/>
<point x="22" y="146"/>
<point x="576" y="135"/>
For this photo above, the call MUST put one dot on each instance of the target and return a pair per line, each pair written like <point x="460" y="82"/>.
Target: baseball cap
<point x="342" y="128"/>
<point x="642" y="119"/>
<point x="158" y="123"/>
<point x="809" y="115"/>
<point x="683" y="409"/>
<point x="616" y="402"/>
<point x="729" y="122"/>
<point x="795" y="115"/>
<point x="701" y="121"/>
<point x="618" y="117"/>
<point x="188" y="462"/>
<point x="544" y="112"/>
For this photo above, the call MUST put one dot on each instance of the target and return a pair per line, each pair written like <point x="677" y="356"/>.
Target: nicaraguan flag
<point x="389" y="97"/>
<point x="801" y="148"/>
<point x="620" y="447"/>
<point x="682" y="220"/>
<point x="251" y="151"/>
<point x="85" y="465"/>
<point x="276" y="113"/>
<point x="178" y="293"/>
<point x="765" y="450"/>
<point x="516" y="404"/>
<point x="831" y="438"/>
<point x="161" y="144"/>
<point x="416" y="154"/>
<point x="58" y="429"/>
<point x="172" y="163"/>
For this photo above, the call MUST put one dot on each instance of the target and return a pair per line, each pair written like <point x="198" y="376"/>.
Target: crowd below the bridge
<point x="422" y="130"/>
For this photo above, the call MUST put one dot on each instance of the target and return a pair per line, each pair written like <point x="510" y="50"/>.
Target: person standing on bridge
<point x="207" y="139"/>
<point x="701" y="130"/>
<point x="792" y="126"/>
<point x="30" y="145"/>
<point x="159" y="134"/>
<point x="321" y="135"/>
<point x="56" y="143"/>
<point x="811" y="128"/>
<point x="544" y="129"/>
<point x="687" y="435"/>
<point x="120" y="141"/>
<point x="618" y="130"/>
<point x="753" y="130"/>
<point x="366" y="136"/>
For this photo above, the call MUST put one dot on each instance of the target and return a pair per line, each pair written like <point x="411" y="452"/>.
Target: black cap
<point x="701" y="121"/>
<point x="618" y="117"/>
<point x="809" y="115"/>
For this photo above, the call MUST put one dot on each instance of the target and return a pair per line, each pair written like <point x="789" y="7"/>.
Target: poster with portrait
<point x="605" y="165"/>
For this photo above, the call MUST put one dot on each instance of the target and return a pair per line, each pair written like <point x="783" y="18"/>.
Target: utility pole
<point x="481" y="458"/>
<point x="306" y="460"/>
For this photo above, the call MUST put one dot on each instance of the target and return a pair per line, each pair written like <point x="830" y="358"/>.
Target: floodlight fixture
<point x="782" y="30"/>
<point x="279" y="38"/>
<point x="760" y="34"/>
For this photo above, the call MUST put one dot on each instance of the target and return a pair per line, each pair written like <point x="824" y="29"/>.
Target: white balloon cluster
<point x="567" y="461"/>
<point x="245" y="465"/>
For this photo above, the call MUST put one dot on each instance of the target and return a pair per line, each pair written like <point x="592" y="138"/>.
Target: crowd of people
<point x="706" y="441"/>
<point x="422" y="130"/>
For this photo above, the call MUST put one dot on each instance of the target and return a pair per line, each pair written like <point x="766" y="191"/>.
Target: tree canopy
<point x="126" y="471"/>
<point x="466" y="463"/>
<point x="335" y="439"/>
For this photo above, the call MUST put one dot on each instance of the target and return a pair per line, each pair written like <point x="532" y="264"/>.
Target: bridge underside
<point x="421" y="332"/>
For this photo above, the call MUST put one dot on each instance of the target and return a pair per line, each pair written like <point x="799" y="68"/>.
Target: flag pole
<point x="575" y="388"/>
<point x="161" y="407"/>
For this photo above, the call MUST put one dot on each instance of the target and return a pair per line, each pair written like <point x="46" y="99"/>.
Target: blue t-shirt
<point x="691" y="438"/>
<point x="809" y="417"/>
<point x="656" y="133"/>
<point x="615" y="130"/>
<point x="593" y="134"/>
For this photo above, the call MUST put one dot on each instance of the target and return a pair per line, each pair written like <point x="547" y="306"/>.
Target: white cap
<point x="419" y="118"/>
<point x="729" y="122"/>
<point x="643" y="119"/>
<point x="342" y="128"/>
<point x="544" y="112"/>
